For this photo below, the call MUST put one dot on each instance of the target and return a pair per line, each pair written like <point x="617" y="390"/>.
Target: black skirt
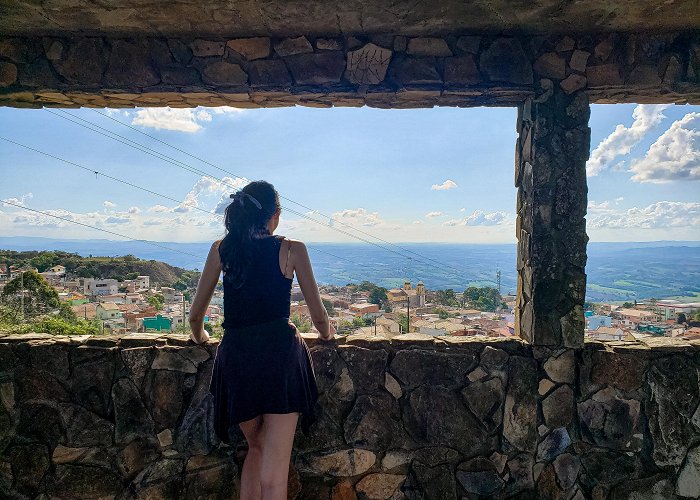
<point x="263" y="368"/>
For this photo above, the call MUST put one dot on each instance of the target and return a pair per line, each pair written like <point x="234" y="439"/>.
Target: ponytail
<point x="246" y="219"/>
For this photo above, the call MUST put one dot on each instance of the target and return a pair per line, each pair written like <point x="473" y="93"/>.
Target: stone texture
<point x="207" y="48"/>
<point x="505" y="61"/>
<point x="129" y="64"/>
<point x="251" y="48"/>
<point x="558" y="407"/>
<point x="367" y="65"/>
<point x="611" y="421"/>
<point x="415" y="70"/>
<point x="343" y="463"/>
<point x="131" y="417"/>
<point x="554" y="444"/>
<point x="579" y="60"/>
<point x="415" y="367"/>
<point x="461" y="70"/>
<point x="603" y="75"/>
<point x="562" y="368"/>
<point x="293" y="46"/>
<point x="438" y="437"/>
<point x="8" y="74"/>
<point x="485" y="400"/>
<point x="550" y="65"/>
<point x="456" y="428"/>
<point x="688" y="484"/>
<point x="520" y="412"/>
<point x="437" y="483"/>
<point x="269" y="73"/>
<point x="479" y="477"/>
<point x="469" y="44"/>
<point x="379" y="486"/>
<point x="374" y="422"/>
<point x="224" y="73"/>
<point x="428" y="47"/>
<point x="83" y="62"/>
<point x="572" y="83"/>
<point x="672" y="409"/>
<point x="316" y="69"/>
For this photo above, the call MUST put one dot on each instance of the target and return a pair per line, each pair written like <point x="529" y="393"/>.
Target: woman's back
<point x="265" y="294"/>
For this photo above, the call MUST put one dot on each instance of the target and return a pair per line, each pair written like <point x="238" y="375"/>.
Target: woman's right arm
<point x="309" y="288"/>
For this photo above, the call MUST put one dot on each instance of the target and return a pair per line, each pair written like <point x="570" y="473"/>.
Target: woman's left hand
<point x="205" y="337"/>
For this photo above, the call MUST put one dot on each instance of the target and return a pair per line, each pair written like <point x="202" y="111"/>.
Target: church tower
<point x="407" y="285"/>
<point x="420" y="289"/>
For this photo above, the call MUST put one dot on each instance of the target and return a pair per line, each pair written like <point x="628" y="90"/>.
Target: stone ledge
<point x="654" y="346"/>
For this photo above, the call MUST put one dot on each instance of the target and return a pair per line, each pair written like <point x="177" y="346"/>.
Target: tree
<point x="329" y="307"/>
<point x="39" y="296"/>
<point x="378" y="296"/>
<point x="628" y="305"/>
<point x="446" y="297"/>
<point x="483" y="298"/>
<point x="442" y="314"/>
<point x="681" y="319"/>
<point x="402" y="319"/>
<point x="157" y="300"/>
<point x="302" y="324"/>
<point x="697" y="316"/>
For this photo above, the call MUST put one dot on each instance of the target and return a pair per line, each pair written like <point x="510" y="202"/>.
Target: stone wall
<point x="416" y="417"/>
<point x="377" y="70"/>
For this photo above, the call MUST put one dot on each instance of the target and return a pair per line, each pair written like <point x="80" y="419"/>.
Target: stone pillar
<point x="550" y="174"/>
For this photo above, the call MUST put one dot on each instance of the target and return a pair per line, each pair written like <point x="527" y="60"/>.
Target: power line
<point x="221" y="169"/>
<point x="153" y="243"/>
<point x="185" y="166"/>
<point x="188" y="167"/>
<point x="136" y="186"/>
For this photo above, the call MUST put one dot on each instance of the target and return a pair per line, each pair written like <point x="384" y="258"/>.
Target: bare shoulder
<point x="296" y="245"/>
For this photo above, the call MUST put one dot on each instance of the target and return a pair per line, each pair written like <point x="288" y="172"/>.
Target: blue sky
<point x="442" y="174"/>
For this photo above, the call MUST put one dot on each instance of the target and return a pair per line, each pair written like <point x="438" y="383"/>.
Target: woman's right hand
<point x="331" y="333"/>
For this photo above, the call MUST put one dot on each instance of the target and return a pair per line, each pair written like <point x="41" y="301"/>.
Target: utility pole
<point x="21" y="274"/>
<point x="498" y="280"/>
<point x="408" y="314"/>
<point x="183" y="312"/>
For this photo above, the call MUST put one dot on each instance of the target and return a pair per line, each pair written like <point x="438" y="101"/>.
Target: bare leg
<point x="277" y="439"/>
<point x="250" y="474"/>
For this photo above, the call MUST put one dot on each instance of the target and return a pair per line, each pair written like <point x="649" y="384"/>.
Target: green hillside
<point x="119" y="268"/>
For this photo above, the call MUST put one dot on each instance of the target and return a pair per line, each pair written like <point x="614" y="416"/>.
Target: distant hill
<point x="616" y="271"/>
<point x="120" y="268"/>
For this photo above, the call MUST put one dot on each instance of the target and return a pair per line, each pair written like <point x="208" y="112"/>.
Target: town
<point x="135" y="304"/>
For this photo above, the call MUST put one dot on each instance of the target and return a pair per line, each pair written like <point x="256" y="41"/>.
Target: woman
<point x="263" y="379"/>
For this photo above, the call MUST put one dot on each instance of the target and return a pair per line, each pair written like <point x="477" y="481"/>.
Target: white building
<point x="143" y="282"/>
<point x="93" y="287"/>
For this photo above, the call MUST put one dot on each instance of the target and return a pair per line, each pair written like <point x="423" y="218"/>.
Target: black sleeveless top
<point x="265" y="294"/>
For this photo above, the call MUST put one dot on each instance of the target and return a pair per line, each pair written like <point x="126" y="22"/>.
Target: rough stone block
<point x="367" y="65"/>
<point x="251" y="48"/>
<point x="428" y="47"/>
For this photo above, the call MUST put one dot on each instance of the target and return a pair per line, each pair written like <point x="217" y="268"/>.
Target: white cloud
<point x="623" y="139"/>
<point x="358" y="216"/>
<point x="108" y="204"/>
<point x="179" y="119"/>
<point x="158" y="208"/>
<point x="134" y="210"/>
<point x="418" y="222"/>
<point x="674" y="156"/>
<point x="19" y="201"/>
<point x="619" y="199"/>
<point x="481" y="218"/>
<point x="431" y="215"/>
<point x="659" y="215"/>
<point x="448" y="184"/>
<point x="462" y="209"/>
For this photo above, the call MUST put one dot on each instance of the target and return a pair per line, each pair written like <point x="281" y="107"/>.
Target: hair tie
<point x="238" y="196"/>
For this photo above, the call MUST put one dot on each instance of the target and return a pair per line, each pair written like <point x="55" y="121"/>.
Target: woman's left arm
<point x="205" y="289"/>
